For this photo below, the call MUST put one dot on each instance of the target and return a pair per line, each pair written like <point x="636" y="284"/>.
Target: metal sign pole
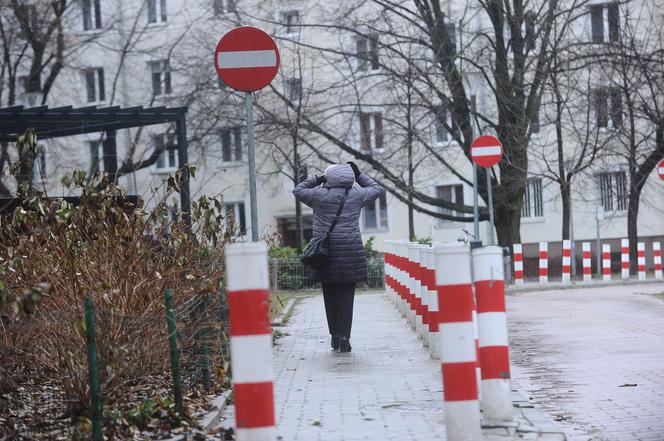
<point x="491" y="237"/>
<point x="249" y="101"/>
<point x="476" y="215"/>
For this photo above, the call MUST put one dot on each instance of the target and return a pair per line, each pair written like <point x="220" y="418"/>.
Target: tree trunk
<point x="507" y="221"/>
<point x="632" y="228"/>
<point x="565" y="194"/>
<point x="411" y="217"/>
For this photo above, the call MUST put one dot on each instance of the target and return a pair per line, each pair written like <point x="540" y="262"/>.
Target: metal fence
<point x="290" y="274"/>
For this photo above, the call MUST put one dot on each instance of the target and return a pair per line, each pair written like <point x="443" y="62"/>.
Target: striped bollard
<point x="543" y="263"/>
<point x="457" y="346"/>
<point x="402" y="278"/>
<point x="624" y="259"/>
<point x="641" y="260"/>
<point x="386" y="269"/>
<point x="478" y="368"/>
<point x="412" y="286"/>
<point x="434" y="311"/>
<point x="587" y="269"/>
<point x="567" y="261"/>
<point x="424" y="294"/>
<point x="518" y="264"/>
<point x="390" y="278"/>
<point x="251" y="341"/>
<point x="496" y="397"/>
<point x="657" y="257"/>
<point x="606" y="262"/>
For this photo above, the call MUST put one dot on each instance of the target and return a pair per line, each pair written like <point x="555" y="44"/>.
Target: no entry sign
<point x="660" y="169"/>
<point x="246" y="59"/>
<point x="486" y="151"/>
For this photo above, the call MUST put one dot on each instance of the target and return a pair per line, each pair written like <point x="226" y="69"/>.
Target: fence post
<point x="251" y="341"/>
<point x="624" y="258"/>
<point x="175" y="356"/>
<point x="587" y="269"/>
<point x="606" y="262"/>
<point x="518" y="264"/>
<point x="496" y="397"/>
<point x="457" y="342"/>
<point x="95" y="400"/>
<point x="205" y="351"/>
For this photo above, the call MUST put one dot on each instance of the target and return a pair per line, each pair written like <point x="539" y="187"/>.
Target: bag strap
<point x="336" y="217"/>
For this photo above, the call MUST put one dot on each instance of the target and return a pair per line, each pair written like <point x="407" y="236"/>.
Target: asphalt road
<point x="593" y="359"/>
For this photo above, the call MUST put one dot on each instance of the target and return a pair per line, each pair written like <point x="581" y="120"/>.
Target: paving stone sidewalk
<point x="387" y="388"/>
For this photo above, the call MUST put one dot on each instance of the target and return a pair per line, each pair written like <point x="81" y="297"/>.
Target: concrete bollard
<point x="624" y="259"/>
<point x="433" y="304"/>
<point x="567" y="261"/>
<point x="657" y="257"/>
<point x="402" y="276"/>
<point x="424" y="294"/>
<point x="458" y="352"/>
<point x="416" y="288"/>
<point x="587" y="269"/>
<point x="412" y="286"/>
<point x="606" y="262"/>
<point x="641" y="260"/>
<point x="251" y="341"/>
<point x="518" y="264"/>
<point x="496" y="396"/>
<point x="543" y="262"/>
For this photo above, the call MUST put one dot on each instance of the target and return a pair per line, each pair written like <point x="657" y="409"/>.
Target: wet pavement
<point x="592" y="359"/>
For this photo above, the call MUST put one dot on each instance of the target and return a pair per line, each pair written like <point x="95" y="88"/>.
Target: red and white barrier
<point x="518" y="264"/>
<point x="496" y="397"/>
<point x="251" y="341"/>
<point x="543" y="262"/>
<point x="624" y="259"/>
<point x="657" y="257"/>
<point x="414" y="287"/>
<point x="458" y="352"/>
<point x="567" y="261"/>
<point x="433" y="303"/>
<point x="641" y="260"/>
<point x="587" y="269"/>
<point x="606" y="262"/>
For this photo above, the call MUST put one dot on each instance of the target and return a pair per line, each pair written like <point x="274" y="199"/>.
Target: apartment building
<point x="338" y="68"/>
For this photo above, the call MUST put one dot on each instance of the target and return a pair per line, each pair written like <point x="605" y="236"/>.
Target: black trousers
<point x="339" y="307"/>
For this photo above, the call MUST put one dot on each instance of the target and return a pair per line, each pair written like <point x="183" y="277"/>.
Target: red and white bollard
<point x="433" y="308"/>
<point x="387" y="268"/>
<point x="424" y="293"/>
<point x="641" y="259"/>
<point x="624" y="259"/>
<point x="657" y="257"/>
<point x="587" y="269"/>
<point x="401" y="275"/>
<point x="606" y="262"/>
<point x="518" y="264"/>
<point x="247" y="283"/>
<point x="413" y="287"/>
<point x="543" y="263"/>
<point x="457" y="345"/>
<point x="496" y="396"/>
<point x="567" y="261"/>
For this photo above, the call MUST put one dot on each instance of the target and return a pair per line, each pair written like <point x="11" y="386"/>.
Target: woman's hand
<point x="356" y="170"/>
<point x="320" y="180"/>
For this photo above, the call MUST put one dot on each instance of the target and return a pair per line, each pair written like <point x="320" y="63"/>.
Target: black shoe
<point x="335" y="342"/>
<point x="344" y="344"/>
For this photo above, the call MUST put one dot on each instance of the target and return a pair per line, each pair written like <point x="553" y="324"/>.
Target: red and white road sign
<point x="246" y="59"/>
<point x="660" y="169"/>
<point x="486" y="151"/>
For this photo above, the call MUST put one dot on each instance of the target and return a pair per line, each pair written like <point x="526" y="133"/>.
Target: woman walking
<point x="347" y="263"/>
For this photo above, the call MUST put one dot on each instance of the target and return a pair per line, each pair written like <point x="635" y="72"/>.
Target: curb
<point x="534" y="286"/>
<point x="210" y="419"/>
<point x="285" y="314"/>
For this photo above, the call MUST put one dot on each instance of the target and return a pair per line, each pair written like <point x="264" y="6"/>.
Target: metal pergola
<point x="49" y="123"/>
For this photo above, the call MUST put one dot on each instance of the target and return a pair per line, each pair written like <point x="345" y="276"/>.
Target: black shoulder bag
<point x="317" y="253"/>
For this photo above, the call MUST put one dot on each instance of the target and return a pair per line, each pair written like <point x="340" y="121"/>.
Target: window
<point x="168" y="159"/>
<point x="96" y="149"/>
<point x="605" y="23"/>
<point x="231" y="144"/>
<point x="367" y="52"/>
<point x="91" y="12"/>
<point x="532" y="199"/>
<point x="223" y="6"/>
<point x="294" y="89"/>
<point x="290" y="22"/>
<point x="236" y="222"/>
<point x="94" y="85"/>
<point x="371" y="131"/>
<point x="157" y="11"/>
<point x="442" y="123"/>
<point x="450" y="193"/>
<point x="39" y="165"/>
<point x="613" y="191"/>
<point x="607" y="106"/>
<point x="375" y="215"/>
<point x="161" y="77"/>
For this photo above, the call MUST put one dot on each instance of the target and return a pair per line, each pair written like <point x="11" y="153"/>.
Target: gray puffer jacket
<point x="347" y="260"/>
